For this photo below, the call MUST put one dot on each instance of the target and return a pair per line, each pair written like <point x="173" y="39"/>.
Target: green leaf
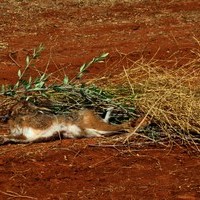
<point x="3" y="88"/>
<point x="39" y="84"/>
<point x="43" y="77"/>
<point x="27" y="98"/>
<point x="27" y="60"/>
<point x="30" y="80"/>
<point x="16" y="85"/>
<point x="82" y="68"/>
<point x="104" y="55"/>
<point x="65" y="80"/>
<point x="19" y="73"/>
<point x="34" y="53"/>
<point x="37" y="51"/>
<point x="25" y="84"/>
<point x="36" y="80"/>
<point x="45" y="95"/>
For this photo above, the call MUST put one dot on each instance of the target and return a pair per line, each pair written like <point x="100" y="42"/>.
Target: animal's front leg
<point x="6" y="139"/>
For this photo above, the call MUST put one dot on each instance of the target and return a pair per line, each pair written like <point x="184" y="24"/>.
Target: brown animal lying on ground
<point x="38" y="127"/>
<point x="28" y="125"/>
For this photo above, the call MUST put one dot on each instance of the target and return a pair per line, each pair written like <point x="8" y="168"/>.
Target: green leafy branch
<point x="85" y="66"/>
<point x="29" y="59"/>
<point x="28" y="84"/>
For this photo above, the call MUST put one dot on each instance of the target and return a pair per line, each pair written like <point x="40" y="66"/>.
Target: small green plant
<point x="68" y="95"/>
<point x="23" y="81"/>
<point x="29" y="62"/>
<point x="85" y="66"/>
<point x="29" y="84"/>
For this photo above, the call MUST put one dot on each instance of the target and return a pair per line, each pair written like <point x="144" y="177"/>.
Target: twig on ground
<point x="12" y="194"/>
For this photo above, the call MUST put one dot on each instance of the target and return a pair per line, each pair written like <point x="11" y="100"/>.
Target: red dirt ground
<point x="72" y="34"/>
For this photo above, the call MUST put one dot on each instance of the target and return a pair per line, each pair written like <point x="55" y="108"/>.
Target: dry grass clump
<point x="170" y="95"/>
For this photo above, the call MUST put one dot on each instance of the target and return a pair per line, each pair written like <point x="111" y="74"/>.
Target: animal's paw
<point x="2" y="140"/>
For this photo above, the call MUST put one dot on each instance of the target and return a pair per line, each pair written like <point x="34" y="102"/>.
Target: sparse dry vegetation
<point x="167" y="92"/>
<point x="152" y="72"/>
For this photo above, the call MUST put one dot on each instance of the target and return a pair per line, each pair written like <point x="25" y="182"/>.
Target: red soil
<point x="72" y="34"/>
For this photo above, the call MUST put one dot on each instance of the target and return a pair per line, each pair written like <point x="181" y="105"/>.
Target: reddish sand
<point x="72" y="34"/>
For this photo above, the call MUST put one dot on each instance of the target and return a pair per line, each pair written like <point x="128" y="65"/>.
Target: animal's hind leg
<point x="108" y="114"/>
